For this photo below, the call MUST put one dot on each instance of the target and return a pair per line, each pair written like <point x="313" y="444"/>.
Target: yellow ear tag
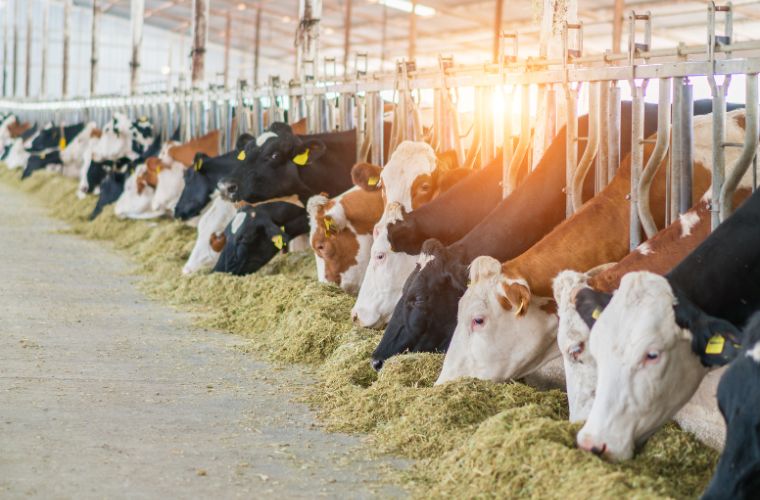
<point x="198" y="165"/>
<point x="158" y="169"/>
<point x="278" y="243"/>
<point x="372" y="181"/>
<point x="143" y="119"/>
<point x="329" y="227"/>
<point x="596" y="313"/>
<point x="62" y="143"/>
<point x="715" y="345"/>
<point x="42" y="156"/>
<point x="301" y="159"/>
<point x="519" y="309"/>
<point x="241" y="156"/>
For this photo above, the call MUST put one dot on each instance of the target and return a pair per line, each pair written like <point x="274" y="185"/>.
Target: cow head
<point x="112" y="187"/>
<point x="115" y="140"/>
<point x="75" y="149"/>
<point x="256" y="234"/>
<point x="738" y="471"/>
<point x="137" y="195"/>
<point x="271" y="166"/>
<point x="425" y="316"/>
<point x="170" y="180"/>
<point x="211" y="237"/>
<point x="502" y="331"/>
<point x="651" y="347"/>
<point x="197" y="190"/>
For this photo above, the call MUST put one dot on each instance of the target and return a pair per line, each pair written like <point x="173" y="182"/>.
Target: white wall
<point x="114" y="53"/>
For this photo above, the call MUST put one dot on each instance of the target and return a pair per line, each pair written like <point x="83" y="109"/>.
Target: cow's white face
<point x="213" y="221"/>
<point x="409" y="162"/>
<point x="132" y="204"/>
<point x="572" y="340"/>
<point x="499" y="335"/>
<point x="384" y="279"/>
<point x="116" y="140"/>
<point x="17" y="156"/>
<point x="645" y="366"/>
<point x="171" y="182"/>
<point x="5" y="133"/>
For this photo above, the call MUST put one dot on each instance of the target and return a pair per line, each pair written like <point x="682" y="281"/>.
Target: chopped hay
<point x="474" y="438"/>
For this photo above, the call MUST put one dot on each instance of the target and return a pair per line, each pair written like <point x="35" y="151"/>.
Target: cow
<point x="46" y="147"/>
<point x="211" y="238"/>
<point x="17" y="156"/>
<point x="175" y="159"/>
<point x="77" y="152"/>
<point x="737" y="475"/>
<point x="134" y="201"/>
<point x="657" y="336"/>
<point x="41" y="161"/>
<point x="123" y="138"/>
<point x="112" y="186"/>
<point x="201" y="180"/>
<point x="507" y="318"/>
<point x="659" y="254"/>
<point x="341" y="235"/>
<point x="517" y="223"/>
<point x="412" y="177"/>
<point x="257" y="233"/>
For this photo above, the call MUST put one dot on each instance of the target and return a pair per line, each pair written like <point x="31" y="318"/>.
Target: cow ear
<point x="243" y="139"/>
<point x="447" y="160"/>
<point x="308" y="152"/>
<point x="446" y="179"/>
<point x="590" y="303"/>
<point x="366" y="176"/>
<point x="714" y="340"/>
<point x="518" y="295"/>
<point x="277" y="236"/>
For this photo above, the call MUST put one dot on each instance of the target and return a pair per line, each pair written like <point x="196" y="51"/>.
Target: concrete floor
<point x="105" y="394"/>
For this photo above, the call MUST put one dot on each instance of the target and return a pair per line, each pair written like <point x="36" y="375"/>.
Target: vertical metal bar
<point x="257" y="49"/>
<point x="592" y="146"/>
<point x="227" y="42"/>
<point x="28" y="58"/>
<point x="66" y="41"/>
<point x="617" y="25"/>
<point x="6" y="24"/>
<point x="687" y="147"/>
<point x="487" y="117"/>
<point x="571" y="146"/>
<point x="613" y="139"/>
<point x="602" y="158"/>
<point x="44" y="58"/>
<point x="200" y="39"/>
<point x="347" y="22"/>
<point x="376" y="101"/>
<point x="137" y="18"/>
<point x="637" y="159"/>
<point x="718" y="152"/>
<point x="497" y="30"/>
<point x="383" y="37"/>
<point x="508" y="150"/>
<point x="412" y="31"/>
<point x="749" y="148"/>
<point x="675" y="169"/>
<point x="15" y="47"/>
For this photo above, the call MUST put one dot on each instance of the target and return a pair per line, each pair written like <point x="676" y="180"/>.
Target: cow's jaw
<point x="635" y="394"/>
<point x="171" y="181"/>
<point x="351" y="279"/>
<point x="493" y="343"/>
<point x="214" y="220"/>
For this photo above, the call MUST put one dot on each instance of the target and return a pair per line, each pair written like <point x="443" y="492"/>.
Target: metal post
<point x="200" y="37"/>
<point x="227" y="42"/>
<point x="15" y="47"/>
<point x="497" y="30"/>
<point x="66" y="40"/>
<point x="571" y="146"/>
<point x="676" y="151"/>
<point x="43" y="59"/>
<point x="507" y="151"/>
<point x="6" y="24"/>
<point x="718" y="150"/>
<point x="28" y="58"/>
<point x="412" y="31"/>
<point x="256" y="49"/>
<point x="383" y="37"/>
<point x="637" y="158"/>
<point x="375" y="100"/>
<point x="137" y="17"/>
<point x="617" y="25"/>
<point x="592" y="146"/>
<point x="603" y="157"/>
<point x="487" y="116"/>
<point x="655" y="159"/>
<point x="347" y="38"/>
<point x="749" y="149"/>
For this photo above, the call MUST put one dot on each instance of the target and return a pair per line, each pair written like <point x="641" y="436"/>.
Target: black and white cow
<point x="655" y="339"/>
<point x="257" y="233"/>
<point x="281" y="163"/>
<point x="201" y="180"/>
<point x="738" y="473"/>
<point x="46" y="146"/>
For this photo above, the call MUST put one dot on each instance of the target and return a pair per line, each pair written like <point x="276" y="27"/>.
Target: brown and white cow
<point x="507" y="322"/>
<point x="412" y="177"/>
<point x="341" y="235"/>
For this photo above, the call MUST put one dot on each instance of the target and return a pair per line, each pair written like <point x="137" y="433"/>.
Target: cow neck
<point x="292" y="199"/>
<point x="331" y="173"/>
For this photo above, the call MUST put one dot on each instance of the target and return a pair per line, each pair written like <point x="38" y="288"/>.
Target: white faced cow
<point x="211" y="239"/>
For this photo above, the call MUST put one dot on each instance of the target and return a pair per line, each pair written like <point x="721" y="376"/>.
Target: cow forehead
<point x="263" y="138"/>
<point x="410" y="160"/>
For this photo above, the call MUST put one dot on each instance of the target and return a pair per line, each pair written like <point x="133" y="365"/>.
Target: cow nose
<point x="589" y="445"/>
<point x="377" y="364"/>
<point x="228" y="189"/>
<point x="599" y="451"/>
<point x="355" y="317"/>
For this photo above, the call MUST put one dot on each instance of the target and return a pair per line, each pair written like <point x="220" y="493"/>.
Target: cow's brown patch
<point x="217" y="241"/>
<point x="741" y="121"/>
<point x="299" y="127"/>
<point x="550" y="307"/>
<point x="338" y="248"/>
<point x="505" y="304"/>
<point x="362" y="209"/>
<point x="185" y="153"/>
<point x="423" y="190"/>
<point x="447" y="160"/>
<point x="518" y="296"/>
<point x="16" y="128"/>
<point x="149" y="176"/>
<point x="96" y="132"/>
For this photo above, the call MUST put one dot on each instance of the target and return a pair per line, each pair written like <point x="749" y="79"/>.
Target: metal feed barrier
<point x="329" y="104"/>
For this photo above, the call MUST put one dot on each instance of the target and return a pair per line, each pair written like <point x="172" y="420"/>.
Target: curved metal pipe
<point x="592" y="146"/>
<point x="655" y="159"/>
<point x="740" y="166"/>
<point x="523" y="144"/>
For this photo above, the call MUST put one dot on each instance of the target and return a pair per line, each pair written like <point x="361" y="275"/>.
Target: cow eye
<point x="380" y="256"/>
<point x="576" y="350"/>
<point x="651" y="357"/>
<point x="425" y="187"/>
<point x="478" y="322"/>
<point x="276" y="155"/>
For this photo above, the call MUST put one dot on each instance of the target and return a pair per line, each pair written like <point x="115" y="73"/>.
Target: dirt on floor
<point x="104" y="393"/>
